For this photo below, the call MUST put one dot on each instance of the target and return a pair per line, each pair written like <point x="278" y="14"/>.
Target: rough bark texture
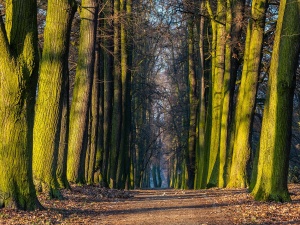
<point x="216" y="88"/>
<point x="246" y="96"/>
<point x="82" y="91"/>
<point x="48" y="110"/>
<point x="226" y="106"/>
<point x="18" y="75"/>
<point x="271" y="180"/>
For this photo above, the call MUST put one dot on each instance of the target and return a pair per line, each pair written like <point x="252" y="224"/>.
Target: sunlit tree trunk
<point x="275" y="141"/>
<point x="226" y="109"/>
<point x="82" y="91"/>
<point x="18" y="77"/>
<point x="246" y="96"/>
<point x="235" y="43"/>
<point x="46" y="133"/>
<point x="216" y="89"/>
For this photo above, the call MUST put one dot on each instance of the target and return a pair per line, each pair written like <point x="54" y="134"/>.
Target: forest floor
<point x="95" y="205"/>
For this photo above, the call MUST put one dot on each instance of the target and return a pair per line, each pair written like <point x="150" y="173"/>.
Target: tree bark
<point x="193" y="105"/>
<point x="246" y="96"/>
<point x="82" y="91"/>
<point x="117" y="101"/>
<point x="48" y="110"/>
<point x="275" y="141"/>
<point x="108" y="93"/>
<point x="18" y="75"/>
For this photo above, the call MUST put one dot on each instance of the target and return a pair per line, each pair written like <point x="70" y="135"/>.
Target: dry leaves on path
<point x="96" y="205"/>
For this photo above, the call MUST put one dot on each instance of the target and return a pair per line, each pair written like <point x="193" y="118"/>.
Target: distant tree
<point x="117" y="99"/>
<point x="126" y="67"/>
<point x="270" y="183"/>
<point x="93" y="121"/>
<point x="61" y="171"/>
<point x="193" y="99"/>
<point x="107" y="84"/>
<point x="18" y="74"/>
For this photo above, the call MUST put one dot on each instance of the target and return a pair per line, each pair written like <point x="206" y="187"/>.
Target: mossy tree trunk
<point x="82" y="92"/>
<point x="226" y="106"/>
<point x="246" y="96"/>
<point x="18" y="75"/>
<point x="275" y="141"/>
<point x="48" y="110"/>
<point x="237" y="8"/>
<point x="214" y="115"/>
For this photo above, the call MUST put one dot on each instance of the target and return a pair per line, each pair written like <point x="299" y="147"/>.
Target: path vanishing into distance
<point x="95" y="205"/>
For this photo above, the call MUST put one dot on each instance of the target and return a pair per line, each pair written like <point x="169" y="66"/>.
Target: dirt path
<point x="93" y="205"/>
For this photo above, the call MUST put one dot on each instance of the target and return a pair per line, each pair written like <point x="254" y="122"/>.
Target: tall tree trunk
<point x="61" y="171"/>
<point x="108" y="93"/>
<point x="275" y="141"/>
<point x="48" y="110"/>
<point x="226" y="106"/>
<point x="117" y="100"/>
<point x="193" y="105"/>
<point x="82" y="91"/>
<point x="123" y="160"/>
<point x="246" y="96"/>
<point x="100" y="67"/>
<point x="214" y="115"/>
<point x="18" y="75"/>
<point x="200" y="141"/>
<point x="237" y="10"/>
<point x="94" y="121"/>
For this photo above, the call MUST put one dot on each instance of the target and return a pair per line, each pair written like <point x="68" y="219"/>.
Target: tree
<point x="272" y="168"/>
<point x="93" y="122"/>
<point x="49" y="103"/>
<point x="245" y="105"/>
<point x="82" y="92"/>
<point x="200" y="142"/>
<point x="212" y="175"/>
<point x="107" y="85"/>
<point x="193" y="102"/>
<point x="18" y="74"/>
<point x="61" y="171"/>
<point x="126" y="61"/>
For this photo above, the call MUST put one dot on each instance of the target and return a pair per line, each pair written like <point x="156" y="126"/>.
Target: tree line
<point x="105" y="121"/>
<point x="233" y="51"/>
